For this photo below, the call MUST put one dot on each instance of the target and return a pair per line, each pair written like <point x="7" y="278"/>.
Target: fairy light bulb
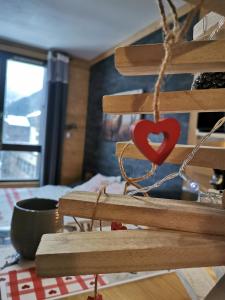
<point x="194" y="186"/>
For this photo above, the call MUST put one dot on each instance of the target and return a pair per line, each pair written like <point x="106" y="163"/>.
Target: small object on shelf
<point x="218" y="179"/>
<point x="31" y="219"/>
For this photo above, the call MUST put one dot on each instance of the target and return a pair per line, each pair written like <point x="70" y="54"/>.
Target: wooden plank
<point x="65" y="254"/>
<point x="73" y="152"/>
<point x="182" y="101"/>
<point x="153" y="212"/>
<point x="16" y="48"/>
<point x="208" y="157"/>
<point x="153" y="27"/>
<point x="187" y="57"/>
<point x="19" y="184"/>
<point x="215" y="5"/>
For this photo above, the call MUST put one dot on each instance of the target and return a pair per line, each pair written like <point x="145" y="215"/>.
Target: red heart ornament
<point x="118" y="226"/>
<point x="171" y="131"/>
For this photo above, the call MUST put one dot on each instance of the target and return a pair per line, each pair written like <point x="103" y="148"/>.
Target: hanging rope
<point x="171" y="37"/>
<point x="101" y="191"/>
<point x="131" y="180"/>
<point x="169" y="40"/>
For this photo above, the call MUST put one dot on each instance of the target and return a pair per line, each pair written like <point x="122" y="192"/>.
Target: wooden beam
<point x="183" y="10"/>
<point x="215" y="5"/>
<point x="64" y="254"/>
<point x="187" y="57"/>
<point x="79" y="63"/>
<point x="73" y="152"/>
<point x="153" y="212"/>
<point x="19" y="184"/>
<point x="208" y="157"/>
<point x="182" y="101"/>
<point x="21" y="49"/>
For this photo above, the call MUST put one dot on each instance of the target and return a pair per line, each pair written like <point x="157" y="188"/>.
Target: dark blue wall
<point x="99" y="154"/>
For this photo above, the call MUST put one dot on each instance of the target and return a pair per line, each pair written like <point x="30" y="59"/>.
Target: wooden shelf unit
<point x="156" y="248"/>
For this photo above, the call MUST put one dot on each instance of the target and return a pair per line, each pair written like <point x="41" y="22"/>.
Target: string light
<point x="181" y="172"/>
<point x="211" y="197"/>
<point x="193" y="186"/>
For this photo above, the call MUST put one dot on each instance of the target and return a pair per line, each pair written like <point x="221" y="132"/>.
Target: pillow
<point x="96" y="182"/>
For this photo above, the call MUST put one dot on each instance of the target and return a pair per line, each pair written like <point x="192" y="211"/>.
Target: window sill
<point x="19" y="184"/>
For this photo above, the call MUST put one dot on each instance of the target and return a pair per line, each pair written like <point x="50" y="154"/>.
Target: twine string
<point x="174" y="15"/>
<point x="171" y="37"/>
<point x="123" y="172"/>
<point x="96" y="287"/>
<point x="78" y="224"/>
<point x="100" y="193"/>
<point x="132" y="181"/>
<point x="169" y="40"/>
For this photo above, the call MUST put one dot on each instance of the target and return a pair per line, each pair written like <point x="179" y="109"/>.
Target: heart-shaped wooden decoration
<point x="171" y="131"/>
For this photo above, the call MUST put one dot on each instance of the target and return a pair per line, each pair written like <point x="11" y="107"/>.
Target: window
<point x="22" y="113"/>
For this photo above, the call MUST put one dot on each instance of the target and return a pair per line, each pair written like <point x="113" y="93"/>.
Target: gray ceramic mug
<point x="31" y="219"/>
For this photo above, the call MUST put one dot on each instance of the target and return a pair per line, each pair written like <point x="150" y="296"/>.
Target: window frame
<point x="4" y="56"/>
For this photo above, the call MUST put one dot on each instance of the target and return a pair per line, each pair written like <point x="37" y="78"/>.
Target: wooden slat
<point x="208" y="157"/>
<point x="25" y="50"/>
<point x="19" y="184"/>
<point x="73" y="152"/>
<point x="153" y="212"/>
<point x="126" y="251"/>
<point x="182" y="101"/>
<point x="188" y="57"/>
<point x="211" y="5"/>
